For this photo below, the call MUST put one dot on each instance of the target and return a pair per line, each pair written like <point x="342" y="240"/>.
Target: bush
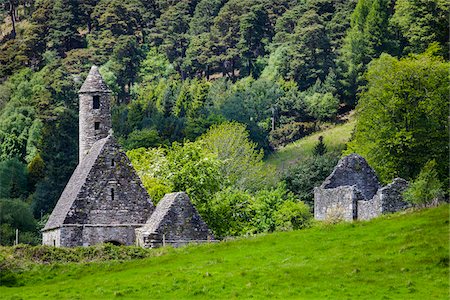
<point x="309" y="173"/>
<point x="292" y="215"/>
<point x="290" y="133"/>
<point x="322" y="106"/>
<point x="230" y="213"/>
<point x="426" y="188"/>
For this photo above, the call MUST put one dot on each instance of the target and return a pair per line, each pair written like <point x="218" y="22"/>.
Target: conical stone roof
<point x="94" y="83"/>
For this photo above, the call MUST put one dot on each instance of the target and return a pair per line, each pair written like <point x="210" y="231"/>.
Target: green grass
<point x="335" y="139"/>
<point x="401" y="256"/>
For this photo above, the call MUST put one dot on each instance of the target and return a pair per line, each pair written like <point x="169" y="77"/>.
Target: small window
<point x="97" y="125"/>
<point x="113" y="163"/>
<point x="112" y="194"/>
<point x="96" y="102"/>
<point x="54" y="243"/>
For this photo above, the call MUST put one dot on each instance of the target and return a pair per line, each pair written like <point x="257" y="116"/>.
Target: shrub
<point x="290" y="133"/>
<point x="292" y="215"/>
<point x="230" y="213"/>
<point x="309" y="173"/>
<point x="426" y="188"/>
<point x="322" y="106"/>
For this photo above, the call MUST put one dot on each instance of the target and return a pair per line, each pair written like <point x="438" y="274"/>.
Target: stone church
<point x="104" y="200"/>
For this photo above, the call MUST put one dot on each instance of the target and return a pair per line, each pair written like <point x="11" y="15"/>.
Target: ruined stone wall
<point x="368" y="209"/>
<point x="88" y="116"/>
<point x="352" y="191"/>
<point x="336" y="203"/>
<point x="388" y="199"/>
<point x="174" y="222"/>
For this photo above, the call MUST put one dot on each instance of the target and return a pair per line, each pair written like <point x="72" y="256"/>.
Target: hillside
<point x="334" y="138"/>
<point x="402" y="256"/>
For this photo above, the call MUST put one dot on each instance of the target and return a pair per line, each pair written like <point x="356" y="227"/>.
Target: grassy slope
<point x="401" y="256"/>
<point x="335" y="138"/>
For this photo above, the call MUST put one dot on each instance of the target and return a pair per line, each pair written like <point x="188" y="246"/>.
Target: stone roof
<point x="73" y="187"/>
<point x="162" y="209"/>
<point x="177" y="215"/>
<point x="94" y="83"/>
<point x="353" y="170"/>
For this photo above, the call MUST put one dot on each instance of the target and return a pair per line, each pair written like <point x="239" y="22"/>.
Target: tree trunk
<point x="12" y="12"/>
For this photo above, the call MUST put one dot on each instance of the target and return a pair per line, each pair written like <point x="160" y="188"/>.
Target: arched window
<point x="112" y="194"/>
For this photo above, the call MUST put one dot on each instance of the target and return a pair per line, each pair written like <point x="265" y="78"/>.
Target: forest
<point x="205" y="90"/>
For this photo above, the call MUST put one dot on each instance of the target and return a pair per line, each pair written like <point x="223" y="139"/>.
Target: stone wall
<point x="336" y="203"/>
<point x="175" y="222"/>
<point x="112" y="193"/>
<point x="387" y="200"/>
<point x="88" y="135"/>
<point x="352" y="191"/>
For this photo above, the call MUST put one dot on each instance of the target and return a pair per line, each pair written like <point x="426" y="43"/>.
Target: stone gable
<point x="175" y="222"/>
<point x="104" y="200"/>
<point x="352" y="191"/>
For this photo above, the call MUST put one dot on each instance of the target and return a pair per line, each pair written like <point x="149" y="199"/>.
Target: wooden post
<point x="17" y="237"/>
<point x="164" y="240"/>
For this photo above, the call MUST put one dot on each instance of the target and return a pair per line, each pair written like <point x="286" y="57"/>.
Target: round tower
<point x="94" y="112"/>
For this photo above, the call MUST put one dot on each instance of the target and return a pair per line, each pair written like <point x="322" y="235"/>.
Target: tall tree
<point x="366" y="39"/>
<point x="402" y="116"/>
<point x="62" y="35"/>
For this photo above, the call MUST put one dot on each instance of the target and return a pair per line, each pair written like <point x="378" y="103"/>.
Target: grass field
<point x="334" y="138"/>
<point x="402" y="256"/>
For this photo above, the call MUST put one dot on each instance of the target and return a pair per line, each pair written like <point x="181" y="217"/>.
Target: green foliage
<point x="422" y="23"/>
<point x="265" y="205"/>
<point x="402" y="116"/>
<point x="322" y="106"/>
<point x="145" y="138"/>
<point x="426" y="188"/>
<point x="292" y="215"/>
<point x="16" y="214"/>
<point x="368" y="36"/>
<point x="230" y="212"/>
<point x="242" y="164"/>
<point x="320" y="148"/>
<point x="14" y="181"/>
<point x="149" y="164"/>
<point x="302" y="177"/>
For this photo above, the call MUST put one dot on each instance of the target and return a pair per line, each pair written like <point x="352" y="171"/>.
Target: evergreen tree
<point x="62" y="33"/>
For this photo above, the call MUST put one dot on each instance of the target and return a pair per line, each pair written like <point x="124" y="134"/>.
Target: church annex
<point x="104" y="200"/>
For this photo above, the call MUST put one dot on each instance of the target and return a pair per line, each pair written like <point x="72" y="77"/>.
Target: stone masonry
<point x="175" y="222"/>
<point x="104" y="200"/>
<point x="94" y="111"/>
<point x="352" y="191"/>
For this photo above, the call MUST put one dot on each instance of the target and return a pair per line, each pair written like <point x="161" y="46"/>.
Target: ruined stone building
<point x="175" y="222"/>
<point x="352" y="191"/>
<point x="104" y="200"/>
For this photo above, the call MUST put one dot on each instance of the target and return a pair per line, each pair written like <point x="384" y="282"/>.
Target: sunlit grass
<point x="334" y="138"/>
<point x="402" y="256"/>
